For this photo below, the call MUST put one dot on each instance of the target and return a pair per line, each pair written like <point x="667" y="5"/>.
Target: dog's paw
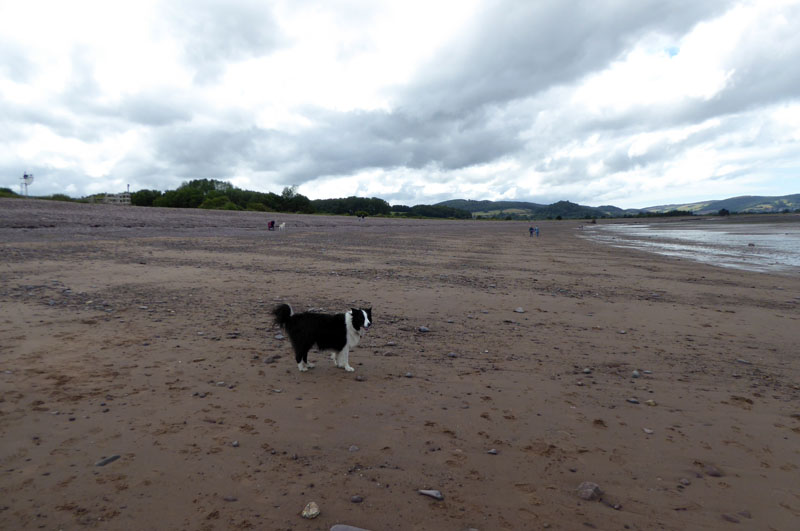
<point x="348" y="368"/>
<point x="310" y="365"/>
<point x="302" y="367"/>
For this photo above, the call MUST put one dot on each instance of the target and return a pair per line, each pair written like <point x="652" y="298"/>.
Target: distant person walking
<point x="531" y="231"/>
<point x="537" y="230"/>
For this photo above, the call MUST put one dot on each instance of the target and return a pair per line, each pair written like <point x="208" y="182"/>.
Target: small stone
<point x="635" y="374"/>
<point x="279" y="337"/>
<point x="648" y="431"/>
<point x="310" y="511"/>
<point x="623" y="332"/>
<point x="633" y="401"/>
<point x="345" y="527"/>
<point x="452" y="355"/>
<point x="589" y="491"/>
<point x="713" y="471"/>
<point x="424" y="329"/>
<point x="587" y="370"/>
<point x="432" y="493"/>
<point x="235" y="444"/>
<point x="360" y="378"/>
<point x="492" y="452"/>
<point x="107" y="460"/>
<point x="356" y="499"/>
<point x="353" y="448"/>
<point x="685" y="482"/>
<point x="230" y="498"/>
<point x="409" y="375"/>
<point x="743" y="362"/>
<point x="729" y="518"/>
<point x="390" y="343"/>
<point x="651" y="402"/>
<point x="519" y="310"/>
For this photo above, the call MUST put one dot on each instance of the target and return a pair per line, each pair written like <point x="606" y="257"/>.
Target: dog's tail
<point x="282" y="313"/>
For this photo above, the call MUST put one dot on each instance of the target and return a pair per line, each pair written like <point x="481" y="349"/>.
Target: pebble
<point x="353" y="448"/>
<point x="519" y="310"/>
<point x="633" y="401"/>
<point x="713" y="471"/>
<point x="452" y="355"/>
<point x="279" y="337"/>
<point x="424" y="329"/>
<point x="648" y="431"/>
<point x="409" y="375"/>
<point x="230" y="498"/>
<point x="651" y="403"/>
<point x="587" y="370"/>
<point x="589" y="491"/>
<point x="390" y="343"/>
<point x="492" y="452"/>
<point x="635" y="374"/>
<point x="345" y="527"/>
<point x="432" y="493"/>
<point x="107" y="460"/>
<point x="310" y="511"/>
<point x="360" y="378"/>
<point x="744" y="362"/>
<point x="685" y="482"/>
<point x="356" y="499"/>
<point x="235" y="444"/>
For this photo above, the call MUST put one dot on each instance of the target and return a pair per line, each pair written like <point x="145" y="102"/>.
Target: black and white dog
<point x="339" y="333"/>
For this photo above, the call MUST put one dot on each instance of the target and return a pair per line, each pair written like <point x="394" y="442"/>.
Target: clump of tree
<point x="8" y="192"/>
<point x="222" y="195"/>
<point x="670" y="214"/>
<point x="352" y="205"/>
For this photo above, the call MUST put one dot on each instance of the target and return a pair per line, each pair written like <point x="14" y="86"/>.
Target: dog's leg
<point x="334" y="358"/>
<point x="345" y="360"/>
<point x="301" y="357"/>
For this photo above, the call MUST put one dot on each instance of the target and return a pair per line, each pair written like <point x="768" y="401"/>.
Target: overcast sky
<point x="630" y="103"/>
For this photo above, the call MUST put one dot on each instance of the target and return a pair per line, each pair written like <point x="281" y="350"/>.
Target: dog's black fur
<point x="337" y="332"/>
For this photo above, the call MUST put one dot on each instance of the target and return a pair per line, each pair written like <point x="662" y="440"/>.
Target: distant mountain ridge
<point x="569" y="210"/>
<point x="526" y="210"/>
<point x="754" y="204"/>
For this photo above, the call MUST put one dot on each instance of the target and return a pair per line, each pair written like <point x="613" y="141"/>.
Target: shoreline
<point x="146" y="334"/>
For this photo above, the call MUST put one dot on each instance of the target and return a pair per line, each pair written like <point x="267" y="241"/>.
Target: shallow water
<point x="769" y="247"/>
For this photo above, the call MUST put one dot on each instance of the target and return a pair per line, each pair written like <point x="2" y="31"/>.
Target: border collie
<point x="339" y="333"/>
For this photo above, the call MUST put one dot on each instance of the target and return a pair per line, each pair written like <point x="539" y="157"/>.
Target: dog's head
<point x="362" y="318"/>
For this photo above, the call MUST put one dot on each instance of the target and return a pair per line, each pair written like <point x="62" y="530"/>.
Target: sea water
<point x="769" y="247"/>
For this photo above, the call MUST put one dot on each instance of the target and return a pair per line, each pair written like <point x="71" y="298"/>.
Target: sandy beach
<point x="145" y="335"/>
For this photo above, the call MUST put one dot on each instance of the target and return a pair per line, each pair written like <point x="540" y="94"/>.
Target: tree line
<point x="221" y="195"/>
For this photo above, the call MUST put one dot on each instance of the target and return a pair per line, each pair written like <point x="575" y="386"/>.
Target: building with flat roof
<point x="123" y="198"/>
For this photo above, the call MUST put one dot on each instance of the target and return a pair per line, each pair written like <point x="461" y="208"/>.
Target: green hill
<point x="752" y="204"/>
<point x="527" y="210"/>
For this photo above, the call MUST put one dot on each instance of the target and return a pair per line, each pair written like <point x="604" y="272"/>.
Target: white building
<point x="123" y="198"/>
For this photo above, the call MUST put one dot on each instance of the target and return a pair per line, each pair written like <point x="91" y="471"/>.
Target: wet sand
<point x="146" y="334"/>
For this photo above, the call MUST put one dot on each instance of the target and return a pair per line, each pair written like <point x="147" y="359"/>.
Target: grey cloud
<point x="153" y="109"/>
<point x="517" y="49"/>
<point x="15" y="64"/>
<point x="215" y="32"/>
